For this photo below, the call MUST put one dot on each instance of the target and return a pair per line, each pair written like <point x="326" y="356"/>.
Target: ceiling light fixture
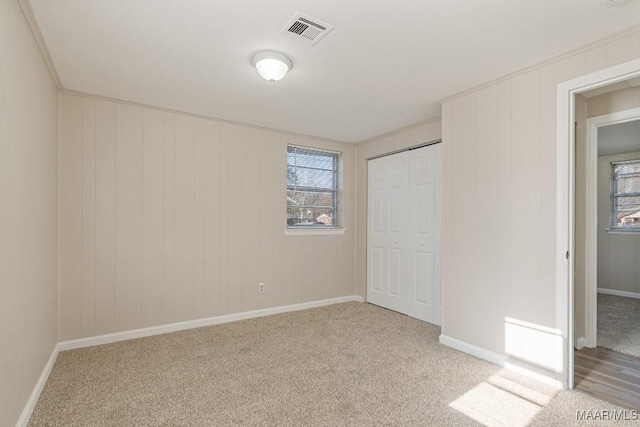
<point x="272" y="66"/>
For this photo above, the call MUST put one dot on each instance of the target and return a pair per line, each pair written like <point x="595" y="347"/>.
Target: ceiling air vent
<point x="306" y="29"/>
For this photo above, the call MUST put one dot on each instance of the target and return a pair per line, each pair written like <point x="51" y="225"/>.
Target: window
<point x="625" y="194"/>
<point x="312" y="187"/>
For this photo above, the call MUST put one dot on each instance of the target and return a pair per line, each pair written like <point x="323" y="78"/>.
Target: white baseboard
<point x="480" y="353"/>
<point x="191" y="324"/>
<point x="523" y="368"/>
<point x="35" y="394"/>
<point x="157" y="330"/>
<point x="619" y="293"/>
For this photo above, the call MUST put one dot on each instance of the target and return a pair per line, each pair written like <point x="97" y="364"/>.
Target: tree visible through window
<point x="625" y="194"/>
<point x="312" y="187"/>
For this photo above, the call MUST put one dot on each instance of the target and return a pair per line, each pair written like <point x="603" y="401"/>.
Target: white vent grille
<point x="306" y="29"/>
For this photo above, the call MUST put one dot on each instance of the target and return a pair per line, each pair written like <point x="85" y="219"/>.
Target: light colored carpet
<point x="349" y="364"/>
<point x="619" y="324"/>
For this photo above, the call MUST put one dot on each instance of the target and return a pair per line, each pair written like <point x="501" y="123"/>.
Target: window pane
<point x="317" y="217"/>
<point x="626" y="186"/>
<point x="624" y="168"/>
<point x="312" y="187"/>
<point x="309" y="199"/>
<point x="314" y="178"/>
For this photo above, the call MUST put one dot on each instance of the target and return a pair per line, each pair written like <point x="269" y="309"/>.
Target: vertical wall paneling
<point x="506" y="218"/>
<point x="105" y="217"/>
<point x="212" y="232"/>
<point x="526" y="160"/>
<point x="274" y="173"/>
<point x="199" y="199"/>
<point x="251" y="213"/>
<point x="152" y="216"/>
<point x="30" y="264"/>
<point x="268" y="235"/>
<point x="486" y="204"/>
<point x="623" y="50"/>
<point x="223" y="247"/>
<point x="88" y="215"/>
<point x="459" y="223"/>
<point x="184" y="217"/>
<point x="70" y="194"/>
<point x="525" y="176"/>
<point x="234" y="220"/>
<point x="128" y="244"/>
<point x="168" y="217"/>
<point x="596" y="59"/>
<point x="547" y="185"/>
<point x="171" y="218"/>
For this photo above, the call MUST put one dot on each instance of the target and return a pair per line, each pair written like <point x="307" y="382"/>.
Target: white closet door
<point x="404" y="233"/>
<point x="423" y="290"/>
<point x="387" y="219"/>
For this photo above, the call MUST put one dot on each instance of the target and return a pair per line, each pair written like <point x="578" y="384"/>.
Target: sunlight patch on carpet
<point x="492" y="406"/>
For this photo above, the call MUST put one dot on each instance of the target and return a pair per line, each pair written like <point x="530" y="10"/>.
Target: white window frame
<point x="335" y="228"/>
<point x="613" y="212"/>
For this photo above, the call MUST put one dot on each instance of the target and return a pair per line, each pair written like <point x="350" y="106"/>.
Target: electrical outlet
<point x="261" y="288"/>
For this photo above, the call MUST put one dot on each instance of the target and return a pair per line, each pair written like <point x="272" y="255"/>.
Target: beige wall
<point x="406" y="138"/>
<point x="613" y="102"/>
<point x="499" y="156"/>
<point x="165" y="217"/>
<point x="28" y="213"/>
<point x="618" y="267"/>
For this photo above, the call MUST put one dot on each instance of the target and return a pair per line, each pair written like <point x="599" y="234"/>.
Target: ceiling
<point x="385" y="66"/>
<point x="619" y="138"/>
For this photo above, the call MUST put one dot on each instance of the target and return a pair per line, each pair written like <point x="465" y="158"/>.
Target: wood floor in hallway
<point x="608" y="375"/>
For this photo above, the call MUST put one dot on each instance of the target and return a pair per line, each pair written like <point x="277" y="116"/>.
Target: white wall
<point x="499" y="236"/>
<point x="618" y="267"/>
<point x="396" y="141"/>
<point x="165" y="217"/>
<point x="28" y="213"/>
<point x="612" y="102"/>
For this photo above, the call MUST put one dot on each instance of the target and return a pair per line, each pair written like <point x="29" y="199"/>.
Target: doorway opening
<point x="603" y="144"/>
<point x="565" y="198"/>
<point x="607" y="226"/>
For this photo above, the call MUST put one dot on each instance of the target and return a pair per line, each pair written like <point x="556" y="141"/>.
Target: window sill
<point x="628" y="232"/>
<point x="313" y="232"/>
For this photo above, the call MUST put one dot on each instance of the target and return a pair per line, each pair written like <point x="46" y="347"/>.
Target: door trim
<point x="565" y="198"/>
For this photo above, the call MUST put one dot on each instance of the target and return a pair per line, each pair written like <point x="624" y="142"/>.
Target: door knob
<point x="421" y="243"/>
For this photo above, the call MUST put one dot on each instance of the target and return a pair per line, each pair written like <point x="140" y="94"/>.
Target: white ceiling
<point x="619" y="138"/>
<point x="386" y="65"/>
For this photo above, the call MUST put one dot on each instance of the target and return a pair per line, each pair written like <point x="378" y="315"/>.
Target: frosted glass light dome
<point x="272" y="66"/>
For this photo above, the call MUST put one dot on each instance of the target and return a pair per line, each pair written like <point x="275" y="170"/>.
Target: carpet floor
<point x="619" y="324"/>
<point x="348" y="364"/>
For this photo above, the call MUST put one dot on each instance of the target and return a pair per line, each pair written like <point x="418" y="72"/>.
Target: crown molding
<point x="601" y="42"/>
<point x="404" y="129"/>
<point x="32" y="22"/>
<point x="202" y="116"/>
